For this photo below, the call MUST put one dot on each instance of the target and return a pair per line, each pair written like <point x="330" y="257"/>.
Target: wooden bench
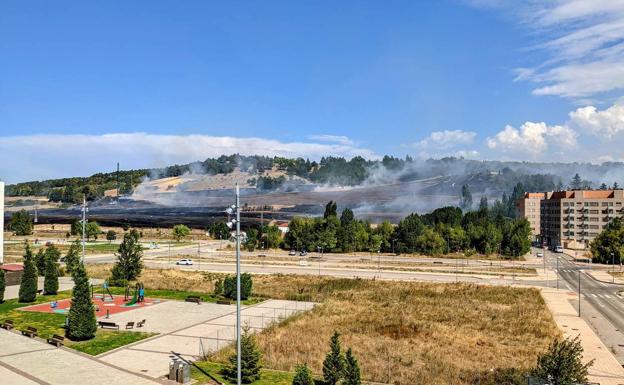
<point x="130" y="325"/>
<point x="8" y="324"/>
<point x="224" y="302"/>
<point x="56" y="340"/>
<point x="140" y="324"/>
<point x="30" y="332"/>
<point x="108" y="325"/>
<point x="193" y="298"/>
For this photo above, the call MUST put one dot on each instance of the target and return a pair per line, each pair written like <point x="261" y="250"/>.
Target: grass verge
<point x="268" y="377"/>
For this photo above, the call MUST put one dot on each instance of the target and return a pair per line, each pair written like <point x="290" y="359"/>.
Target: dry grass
<point x="410" y="333"/>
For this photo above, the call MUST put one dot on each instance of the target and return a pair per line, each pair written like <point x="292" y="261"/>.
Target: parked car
<point x="292" y="252"/>
<point x="540" y="255"/>
<point x="558" y="249"/>
<point x="303" y="253"/>
<point x="186" y="262"/>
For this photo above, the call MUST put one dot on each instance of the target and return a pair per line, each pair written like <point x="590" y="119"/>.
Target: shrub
<point x="562" y="363"/>
<point x="218" y="287"/>
<point x="229" y="286"/>
<point x="81" y="323"/>
<point x="28" y="285"/>
<point x="303" y="375"/>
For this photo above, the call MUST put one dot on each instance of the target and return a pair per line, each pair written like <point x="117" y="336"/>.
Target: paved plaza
<point x="188" y="330"/>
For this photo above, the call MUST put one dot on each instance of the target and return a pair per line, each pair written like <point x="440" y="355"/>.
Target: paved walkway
<point x="65" y="283"/>
<point x="604" y="276"/>
<point x="26" y="361"/>
<point x="189" y="330"/>
<point x="606" y="369"/>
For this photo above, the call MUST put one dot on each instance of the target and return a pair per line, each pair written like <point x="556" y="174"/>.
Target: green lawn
<point x="48" y="324"/>
<point x="181" y="295"/>
<point x="269" y="377"/>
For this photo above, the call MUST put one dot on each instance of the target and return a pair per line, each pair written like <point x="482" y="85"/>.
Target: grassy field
<point x="48" y="324"/>
<point x="268" y="377"/>
<point x="410" y="333"/>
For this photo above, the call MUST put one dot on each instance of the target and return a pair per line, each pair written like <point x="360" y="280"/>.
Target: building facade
<point x="572" y="219"/>
<point x="529" y="207"/>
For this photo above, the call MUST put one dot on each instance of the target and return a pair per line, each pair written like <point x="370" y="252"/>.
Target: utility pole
<point x="84" y="225"/>
<point x="238" y="290"/>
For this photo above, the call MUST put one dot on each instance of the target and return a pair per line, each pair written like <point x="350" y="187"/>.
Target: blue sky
<point x="130" y="80"/>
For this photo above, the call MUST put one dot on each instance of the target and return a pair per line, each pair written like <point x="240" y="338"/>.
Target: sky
<point x="84" y="85"/>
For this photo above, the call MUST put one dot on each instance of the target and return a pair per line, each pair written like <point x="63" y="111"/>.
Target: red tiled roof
<point x="12" y="267"/>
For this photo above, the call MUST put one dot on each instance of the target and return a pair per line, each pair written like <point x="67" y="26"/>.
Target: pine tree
<point x="2" y="285"/>
<point x="250" y="360"/>
<point x="81" y="323"/>
<point x="28" y="286"/>
<point x="303" y="375"/>
<point x="333" y="366"/>
<point x="562" y="363"/>
<point x="465" y="202"/>
<point x="72" y="259"/>
<point x="352" y="370"/>
<point x="39" y="259"/>
<point x="129" y="264"/>
<point x="51" y="280"/>
<point x="576" y="183"/>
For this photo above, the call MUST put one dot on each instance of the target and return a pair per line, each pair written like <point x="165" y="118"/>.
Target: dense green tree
<point x="465" y="201"/>
<point x="562" y="363"/>
<point x="180" y="231"/>
<point x="92" y="230"/>
<point x="111" y="235"/>
<point x="334" y="363"/>
<point x="219" y="230"/>
<point x="300" y="235"/>
<point x="448" y="215"/>
<point x="51" y="277"/>
<point x="608" y="246"/>
<point x="21" y="223"/>
<point x="430" y="242"/>
<point x="331" y="210"/>
<point x="271" y="237"/>
<point x="129" y="258"/>
<point x="250" y="360"/>
<point x="28" y="285"/>
<point x="2" y="285"/>
<point x="81" y="322"/>
<point x="385" y="231"/>
<point x="76" y="227"/>
<point x="576" y="183"/>
<point x="72" y="259"/>
<point x="603" y="186"/>
<point x="407" y="231"/>
<point x="483" y="203"/>
<point x="516" y="237"/>
<point x="303" y="375"/>
<point x="352" y="370"/>
<point x="252" y="239"/>
<point x="40" y="260"/>
<point x="229" y="286"/>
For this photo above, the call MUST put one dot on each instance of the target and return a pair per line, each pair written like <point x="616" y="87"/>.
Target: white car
<point x="540" y="255"/>
<point x="186" y="262"/>
<point x="558" y="249"/>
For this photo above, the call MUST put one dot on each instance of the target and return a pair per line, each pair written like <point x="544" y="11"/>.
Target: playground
<point x="105" y="303"/>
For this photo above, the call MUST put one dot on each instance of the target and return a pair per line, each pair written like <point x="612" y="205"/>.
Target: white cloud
<point x="532" y="139"/>
<point x="54" y="156"/>
<point x="341" y="139"/>
<point x="604" y="124"/>
<point x="583" y="41"/>
<point x="446" y="139"/>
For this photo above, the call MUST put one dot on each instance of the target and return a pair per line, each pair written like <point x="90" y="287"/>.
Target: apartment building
<point x="572" y="219"/>
<point x="529" y="208"/>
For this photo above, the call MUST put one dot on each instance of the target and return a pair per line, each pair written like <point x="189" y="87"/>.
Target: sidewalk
<point x="606" y="369"/>
<point x="604" y="276"/>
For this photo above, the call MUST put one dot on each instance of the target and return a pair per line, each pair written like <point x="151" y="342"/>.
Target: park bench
<point x="223" y="302"/>
<point x="193" y="298"/>
<point x="30" y="332"/>
<point x="130" y="325"/>
<point x="108" y="325"/>
<point x="56" y="340"/>
<point x="8" y="324"/>
<point x="140" y="324"/>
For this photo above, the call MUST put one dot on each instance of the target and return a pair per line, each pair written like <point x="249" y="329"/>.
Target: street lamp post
<point x="612" y="267"/>
<point x="84" y="225"/>
<point x="229" y="211"/>
<point x="579" y="293"/>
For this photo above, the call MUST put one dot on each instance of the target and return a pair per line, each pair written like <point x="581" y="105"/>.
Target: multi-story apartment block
<point x="572" y="219"/>
<point x="529" y="208"/>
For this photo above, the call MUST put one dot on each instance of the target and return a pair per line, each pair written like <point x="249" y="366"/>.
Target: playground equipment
<point x="103" y="295"/>
<point x="138" y="296"/>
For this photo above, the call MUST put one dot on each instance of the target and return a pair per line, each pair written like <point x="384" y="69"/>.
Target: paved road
<point x="598" y="300"/>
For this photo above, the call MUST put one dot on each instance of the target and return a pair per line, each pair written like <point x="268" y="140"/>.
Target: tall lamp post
<point x="236" y="221"/>
<point x="612" y="267"/>
<point x="84" y="225"/>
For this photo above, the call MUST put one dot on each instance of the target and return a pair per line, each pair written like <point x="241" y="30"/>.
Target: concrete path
<point x="606" y="369"/>
<point x="65" y="283"/>
<point x="29" y="361"/>
<point x="189" y="331"/>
